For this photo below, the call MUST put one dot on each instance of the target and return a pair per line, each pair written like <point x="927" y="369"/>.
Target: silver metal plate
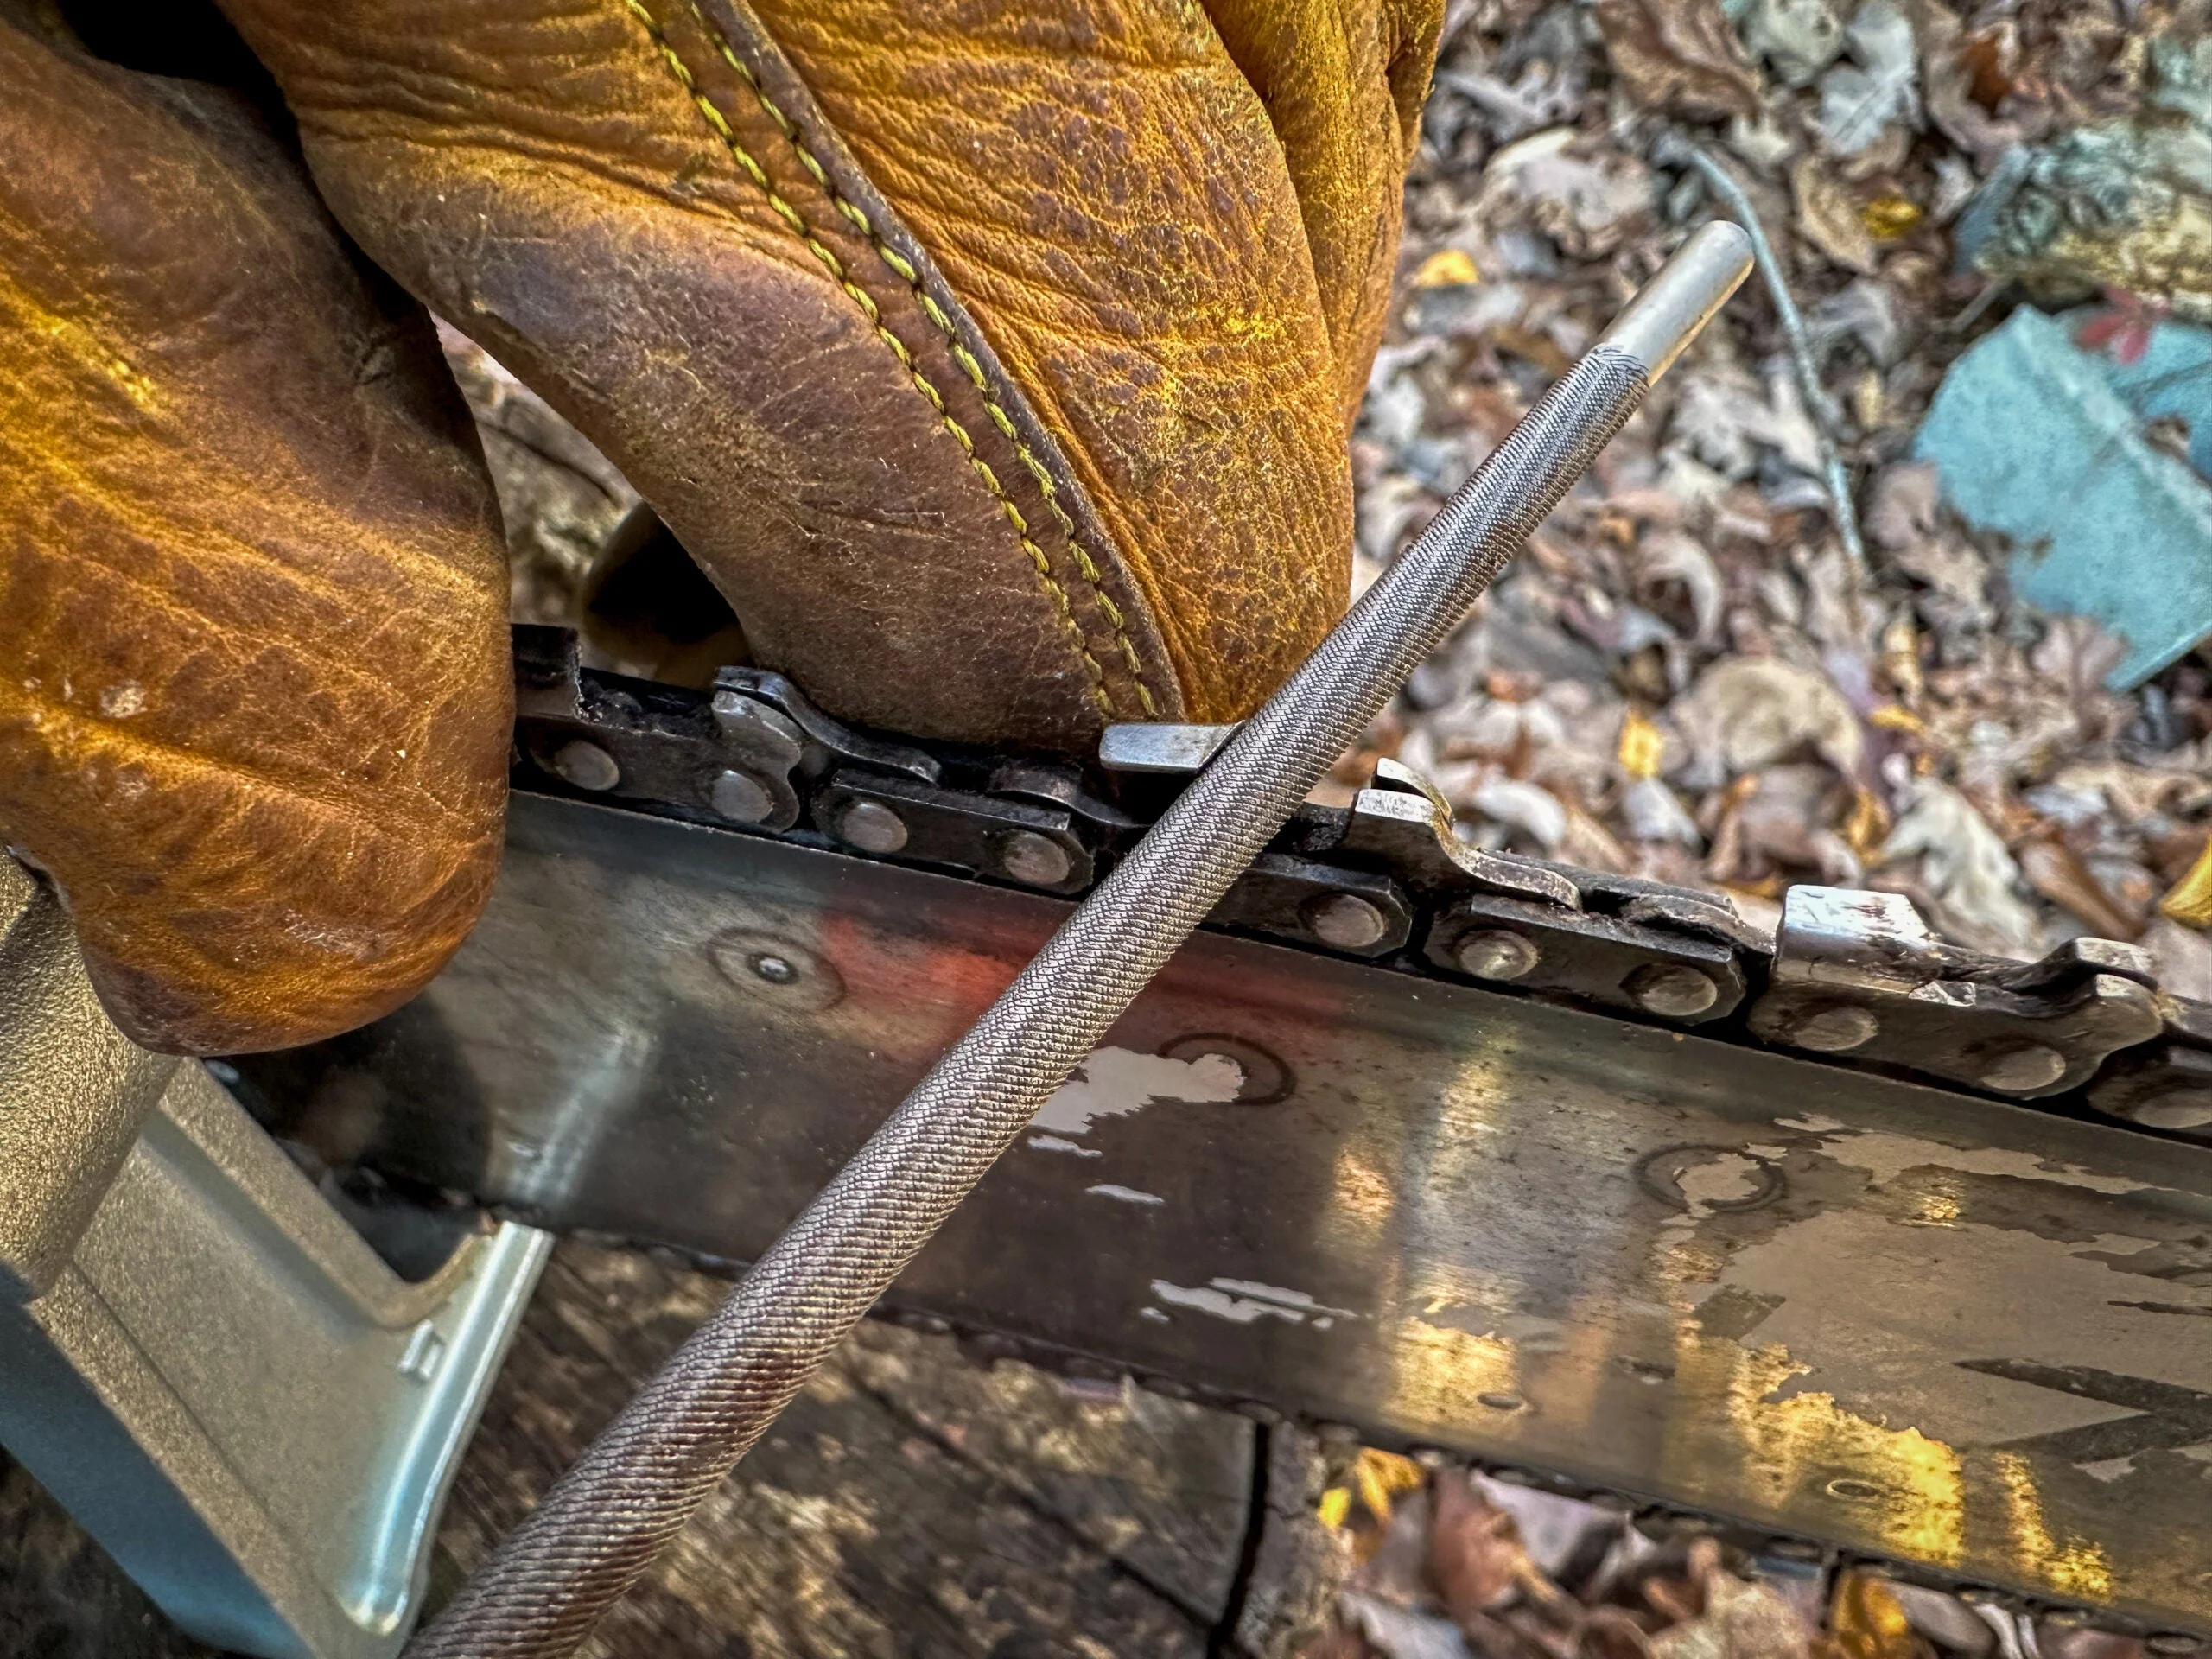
<point x="1927" y="1325"/>
<point x="247" y="1409"/>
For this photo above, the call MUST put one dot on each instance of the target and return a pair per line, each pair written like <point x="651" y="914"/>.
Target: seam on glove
<point x="827" y="256"/>
<point x="902" y="269"/>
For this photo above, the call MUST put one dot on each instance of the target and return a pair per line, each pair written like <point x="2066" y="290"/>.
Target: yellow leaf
<point x="2190" y="902"/>
<point x="1640" y="745"/>
<point x="1335" y="1506"/>
<point x="1865" y="1621"/>
<point x="1901" y="648"/>
<point x="1380" y="1475"/>
<point x="1896" y="717"/>
<point x="1869" y="400"/>
<point x="1447" y="268"/>
<point x="1868" y="826"/>
<point x="1887" y="218"/>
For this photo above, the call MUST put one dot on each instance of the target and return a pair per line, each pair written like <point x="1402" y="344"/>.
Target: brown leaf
<point x="1975" y="94"/>
<point x="2054" y="869"/>
<point x="1740" y="1621"/>
<point x="1830" y="219"/>
<point x="1475" y="1555"/>
<point x="1337" y="1643"/>
<point x="1746" y="713"/>
<point x="2179" y="851"/>
<point x="1679" y="56"/>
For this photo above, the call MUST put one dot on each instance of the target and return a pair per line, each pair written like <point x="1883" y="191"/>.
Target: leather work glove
<point x="994" y="360"/>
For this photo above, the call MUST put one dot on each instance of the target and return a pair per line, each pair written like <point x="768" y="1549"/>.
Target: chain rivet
<point x="586" y="765"/>
<point x="2176" y="1108"/>
<point x="1034" y="860"/>
<point x="1495" y="954"/>
<point x="1832" y="1028"/>
<point x="740" y="798"/>
<point x="1672" y="990"/>
<point x="871" y="827"/>
<point x="2022" y="1066"/>
<point x="1344" y="921"/>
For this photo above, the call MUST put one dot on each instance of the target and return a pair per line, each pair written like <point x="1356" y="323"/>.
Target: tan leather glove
<point x="254" y="692"/>
<point x="994" y="360"/>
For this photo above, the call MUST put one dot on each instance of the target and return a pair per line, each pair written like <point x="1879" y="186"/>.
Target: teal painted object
<point x="2037" y="438"/>
<point x="2172" y="377"/>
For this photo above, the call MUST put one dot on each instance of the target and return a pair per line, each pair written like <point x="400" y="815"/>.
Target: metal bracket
<point x="202" y="1361"/>
<point x="74" y="1090"/>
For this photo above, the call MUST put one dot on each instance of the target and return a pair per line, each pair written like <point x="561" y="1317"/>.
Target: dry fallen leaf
<point x="1861" y="101"/>
<point x="1667" y="558"/>
<point x="1741" y="1620"/>
<point x="1888" y="217"/>
<point x="1866" y="1621"/>
<point x="1785" y="822"/>
<point x="1747" y="713"/>
<point x="1974" y="98"/>
<point x="1829" y="220"/>
<point x="1640" y="746"/>
<point x="1381" y="1476"/>
<point x="1447" y="268"/>
<point x="1400" y="1632"/>
<point x="1338" y="1642"/>
<point x="1475" y="1554"/>
<point x="2054" y="869"/>
<point x="1679" y="56"/>
<point x="1588" y="198"/>
<point x="1653" y="812"/>
<point x="2190" y="901"/>
<point x="1800" y="38"/>
<point x="1903" y="518"/>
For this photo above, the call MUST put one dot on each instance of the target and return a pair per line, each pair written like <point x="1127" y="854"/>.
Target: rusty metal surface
<point x="1924" y="1325"/>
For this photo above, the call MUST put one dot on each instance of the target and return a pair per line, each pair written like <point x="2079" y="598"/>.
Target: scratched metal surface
<point x="1970" y="1335"/>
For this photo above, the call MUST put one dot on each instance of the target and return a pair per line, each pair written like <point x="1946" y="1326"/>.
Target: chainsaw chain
<point x="1851" y="979"/>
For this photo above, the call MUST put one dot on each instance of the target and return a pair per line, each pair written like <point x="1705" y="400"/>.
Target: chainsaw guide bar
<point x="1854" y="1244"/>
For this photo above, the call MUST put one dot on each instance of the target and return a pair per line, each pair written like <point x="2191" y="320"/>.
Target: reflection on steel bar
<point x="1771" y="1289"/>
